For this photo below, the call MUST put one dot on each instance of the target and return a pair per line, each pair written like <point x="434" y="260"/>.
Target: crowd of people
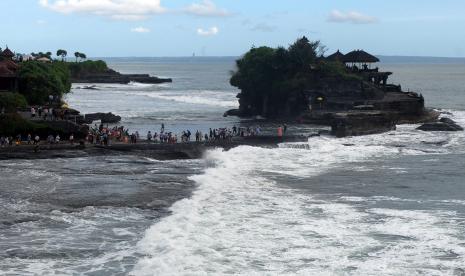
<point x="105" y="135"/>
<point x="48" y="113"/>
<point x="19" y="140"/>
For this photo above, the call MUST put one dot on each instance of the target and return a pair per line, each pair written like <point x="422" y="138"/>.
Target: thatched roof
<point x="360" y="56"/>
<point x="43" y="59"/>
<point x="337" y="56"/>
<point x="11" y="65"/>
<point x="8" y="53"/>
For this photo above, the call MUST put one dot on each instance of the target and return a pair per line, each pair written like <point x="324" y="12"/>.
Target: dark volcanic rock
<point x="361" y="123"/>
<point x="445" y="124"/>
<point x="447" y="121"/>
<point x="112" y="76"/>
<point x="106" y="118"/>
<point x="232" y="112"/>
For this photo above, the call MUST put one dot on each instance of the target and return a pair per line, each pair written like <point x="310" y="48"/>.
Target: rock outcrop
<point x="444" y="124"/>
<point x="105" y="118"/>
<point x="111" y="76"/>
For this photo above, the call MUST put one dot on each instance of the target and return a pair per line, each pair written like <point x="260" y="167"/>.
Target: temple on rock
<point x="368" y="90"/>
<point x="8" y="71"/>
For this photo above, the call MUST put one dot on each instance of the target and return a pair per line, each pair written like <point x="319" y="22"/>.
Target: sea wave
<point x="209" y="98"/>
<point x="240" y="221"/>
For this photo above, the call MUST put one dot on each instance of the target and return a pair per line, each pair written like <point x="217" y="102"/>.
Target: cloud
<point x="206" y="8"/>
<point x="263" y="27"/>
<point x="116" y="9"/>
<point x="209" y="32"/>
<point x="351" y="17"/>
<point x="41" y="22"/>
<point x="140" y="30"/>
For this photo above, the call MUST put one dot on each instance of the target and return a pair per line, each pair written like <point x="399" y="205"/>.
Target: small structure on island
<point x="360" y="57"/>
<point x="337" y="56"/>
<point x="360" y="62"/>
<point x="369" y="92"/>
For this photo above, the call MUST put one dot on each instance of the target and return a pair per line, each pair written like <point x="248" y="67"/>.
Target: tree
<point x="303" y="53"/>
<point x="82" y="56"/>
<point x="37" y="80"/>
<point x="273" y="80"/>
<point x="77" y="55"/>
<point x="62" y="53"/>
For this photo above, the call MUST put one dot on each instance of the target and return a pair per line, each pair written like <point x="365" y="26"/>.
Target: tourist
<point x="36" y="140"/>
<point x="39" y="111"/>
<point x="149" y="136"/>
<point x="2" y="142"/>
<point x="29" y="139"/>
<point x="284" y="129"/>
<point x="162" y="129"/>
<point x="280" y="131"/>
<point x="71" y="139"/>
<point x="57" y="139"/>
<point x="33" y="112"/>
<point x="105" y="139"/>
<point x="45" y="113"/>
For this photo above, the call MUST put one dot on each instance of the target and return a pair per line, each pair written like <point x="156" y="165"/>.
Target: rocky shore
<point x="111" y="76"/>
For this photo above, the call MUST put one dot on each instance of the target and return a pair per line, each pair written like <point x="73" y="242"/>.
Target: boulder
<point x="445" y="124"/>
<point x="232" y="112"/>
<point x="105" y="118"/>
<point x="447" y="121"/>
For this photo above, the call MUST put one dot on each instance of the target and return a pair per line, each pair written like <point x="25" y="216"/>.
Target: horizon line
<point x="236" y="56"/>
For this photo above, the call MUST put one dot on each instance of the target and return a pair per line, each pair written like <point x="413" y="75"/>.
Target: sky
<point x="157" y="28"/>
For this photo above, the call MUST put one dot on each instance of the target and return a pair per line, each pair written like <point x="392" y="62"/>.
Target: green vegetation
<point x="39" y="80"/>
<point x="12" y="124"/>
<point x="11" y="101"/>
<point x="273" y="80"/>
<point x="78" y="69"/>
<point x="80" y="56"/>
<point x="62" y="53"/>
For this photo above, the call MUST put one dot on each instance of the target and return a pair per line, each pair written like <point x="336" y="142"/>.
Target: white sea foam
<point x="138" y="84"/>
<point x="209" y="98"/>
<point x="239" y="221"/>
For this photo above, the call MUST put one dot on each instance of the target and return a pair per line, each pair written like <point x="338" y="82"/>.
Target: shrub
<point x="11" y="101"/>
<point x="39" y="80"/>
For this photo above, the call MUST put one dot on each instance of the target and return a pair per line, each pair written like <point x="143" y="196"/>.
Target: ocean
<point x="385" y="204"/>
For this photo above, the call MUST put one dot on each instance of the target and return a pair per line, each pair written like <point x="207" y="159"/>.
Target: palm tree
<point x="62" y="53"/>
<point x="77" y="55"/>
<point x="82" y="56"/>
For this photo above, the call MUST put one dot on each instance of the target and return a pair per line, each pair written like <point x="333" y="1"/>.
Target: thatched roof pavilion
<point x="360" y="56"/>
<point x="337" y="56"/>
<point x="7" y="53"/>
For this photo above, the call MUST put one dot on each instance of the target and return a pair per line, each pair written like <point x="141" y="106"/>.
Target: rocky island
<point x="98" y="72"/>
<point x="342" y="91"/>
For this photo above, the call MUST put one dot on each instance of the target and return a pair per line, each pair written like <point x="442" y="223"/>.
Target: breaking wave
<point x="241" y="221"/>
